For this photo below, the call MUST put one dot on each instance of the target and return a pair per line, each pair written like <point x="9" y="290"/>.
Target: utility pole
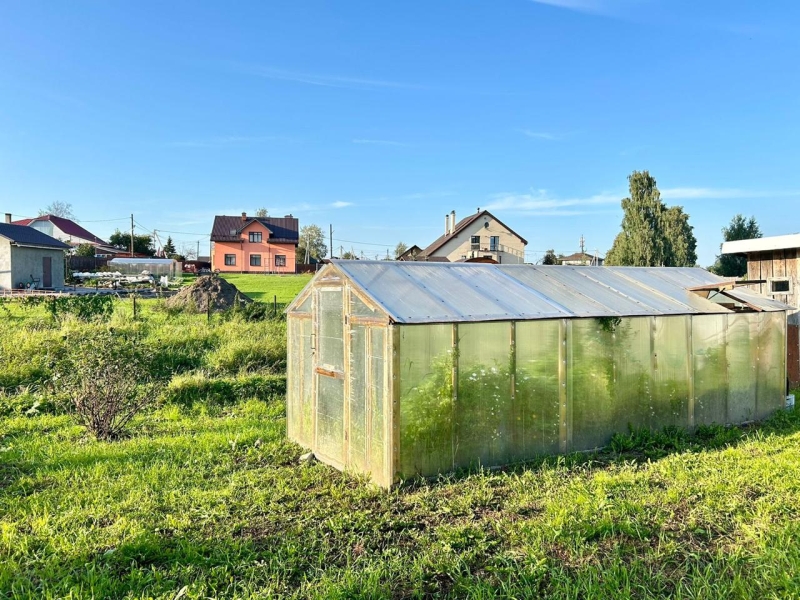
<point x="197" y="257"/>
<point x="331" y="246"/>
<point x="583" y="251"/>
<point x="131" y="235"/>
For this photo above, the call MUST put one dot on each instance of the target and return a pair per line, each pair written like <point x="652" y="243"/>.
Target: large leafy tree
<point x="729" y="265"/>
<point x="652" y="235"/>
<point x="312" y="243"/>
<point x="142" y="244"/>
<point x="550" y="258"/>
<point x="262" y="213"/>
<point x="58" y="208"/>
<point x="400" y="249"/>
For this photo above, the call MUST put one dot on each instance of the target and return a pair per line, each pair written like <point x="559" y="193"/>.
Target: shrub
<point x="106" y="379"/>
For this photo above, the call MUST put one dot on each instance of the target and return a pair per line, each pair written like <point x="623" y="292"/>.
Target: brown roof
<point x="68" y="226"/>
<point x="461" y="225"/>
<point x="578" y="256"/>
<point x="282" y="230"/>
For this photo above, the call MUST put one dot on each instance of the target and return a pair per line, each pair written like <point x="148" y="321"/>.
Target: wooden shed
<point x="773" y="267"/>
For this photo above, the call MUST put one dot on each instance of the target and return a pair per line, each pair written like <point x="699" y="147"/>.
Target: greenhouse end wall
<point x="495" y="393"/>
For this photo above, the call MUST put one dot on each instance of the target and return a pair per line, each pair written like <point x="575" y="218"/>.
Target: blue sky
<point x="380" y="117"/>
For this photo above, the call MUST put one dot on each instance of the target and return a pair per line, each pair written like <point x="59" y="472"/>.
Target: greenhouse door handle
<point x="329" y="373"/>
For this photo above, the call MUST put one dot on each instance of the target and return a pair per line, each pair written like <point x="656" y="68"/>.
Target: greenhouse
<point x="399" y="369"/>
<point x="149" y="266"/>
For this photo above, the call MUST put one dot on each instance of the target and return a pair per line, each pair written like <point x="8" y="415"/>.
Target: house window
<point x="255" y="259"/>
<point x="230" y="260"/>
<point x="494" y="243"/>
<point x="280" y="260"/>
<point x="255" y="237"/>
<point x="780" y="285"/>
<point x="475" y="242"/>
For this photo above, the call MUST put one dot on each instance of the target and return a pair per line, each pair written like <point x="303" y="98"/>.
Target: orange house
<point x="254" y="244"/>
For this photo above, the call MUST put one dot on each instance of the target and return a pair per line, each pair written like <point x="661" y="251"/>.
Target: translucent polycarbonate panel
<point x="626" y="283"/>
<point x="428" y="292"/>
<point x="357" y="307"/>
<point x="574" y="301"/>
<point x="304" y="306"/>
<point x="610" y="380"/>
<point x="378" y="404"/>
<point x="484" y="417"/>
<point x="331" y="328"/>
<point x="590" y="383"/>
<point x="426" y="400"/>
<point x="357" y="430"/>
<point x="330" y="418"/>
<point x="306" y="358"/>
<point x="671" y="371"/>
<point x="771" y="391"/>
<point x="709" y="334"/>
<point x="294" y="379"/>
<point x="742" y="352"/>
<point x="535" y="410"/>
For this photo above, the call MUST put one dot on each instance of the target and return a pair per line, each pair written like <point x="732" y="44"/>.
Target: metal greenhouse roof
<point x="425" y="292"/>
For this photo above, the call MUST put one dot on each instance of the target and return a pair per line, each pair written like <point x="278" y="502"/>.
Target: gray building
<point x="29" y="257"/>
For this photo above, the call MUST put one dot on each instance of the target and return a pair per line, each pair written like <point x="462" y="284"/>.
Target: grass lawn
<point x="265" y="287"/>
<point x="205" y="497"/>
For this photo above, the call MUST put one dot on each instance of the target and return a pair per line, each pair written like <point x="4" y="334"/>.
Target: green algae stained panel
<point x="535" y="416"/>
<point x="483" y="412"/>
<point x="742" y="353"/>
<point x="426" y="400"/>
<point x="771" y="364"/>
<point x="610" y="378"/>
<point x="672" y="368"/>
<point x="710" y="369"/>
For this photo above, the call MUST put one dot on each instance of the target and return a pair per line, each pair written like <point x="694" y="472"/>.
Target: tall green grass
<point x="206" y="498"/>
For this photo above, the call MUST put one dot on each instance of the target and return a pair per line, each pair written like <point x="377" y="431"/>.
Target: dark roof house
<point x="22" y="236"/>
<point x="62" y="228"/>
<point x="285" y="230"/>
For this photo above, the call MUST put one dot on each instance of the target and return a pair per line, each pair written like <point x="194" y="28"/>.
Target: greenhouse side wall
<point x="501" y="392"/>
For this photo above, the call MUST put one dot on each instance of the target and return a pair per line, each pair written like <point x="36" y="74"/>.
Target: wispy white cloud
<point x="700" y="193"/>
<point x="540" y="202"/>
<point x="341" y="204"/>
<point x="229" y="140"/>
<point x="317" y="79"/>
<point x="378" y="142"/>
<point x="597" y="7"/>
<point x="540" y="135"/>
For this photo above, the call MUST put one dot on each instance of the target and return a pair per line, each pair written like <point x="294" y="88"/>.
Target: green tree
<point x="652" y="235"/>
<point x="57" y="208"/>
<point x="142" y="244"/>
<point x="349" y="255"/>
<point x="84" y="250"/>
<point x="312" y="244"/>
<point x="169" y="247"/>
<point x="399" y="249"/>
<point x="550" y="258"/>
<point x="730" y="265"/>
<point x="262" y="213"/>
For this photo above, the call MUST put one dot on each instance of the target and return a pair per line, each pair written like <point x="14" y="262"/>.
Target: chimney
<point x="8" y="217"/>
<point x="452" y="221"/>
<point x="244" y="217"/>
<point x="447" y="224"/>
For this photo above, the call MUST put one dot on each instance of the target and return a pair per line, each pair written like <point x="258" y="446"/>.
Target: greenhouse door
<point x="329" y="372"/>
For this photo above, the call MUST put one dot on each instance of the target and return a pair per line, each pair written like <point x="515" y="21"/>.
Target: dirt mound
<point x="215" y="291"/>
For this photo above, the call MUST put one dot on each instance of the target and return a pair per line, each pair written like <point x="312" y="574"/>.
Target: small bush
<point x="106" y="379"/>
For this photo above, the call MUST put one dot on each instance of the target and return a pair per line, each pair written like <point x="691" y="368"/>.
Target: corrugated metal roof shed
<point x="420" y="292"/>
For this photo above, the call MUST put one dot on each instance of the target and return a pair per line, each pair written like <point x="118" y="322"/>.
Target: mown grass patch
<point x="217" y="501"/>
<point x="265" y="288"/>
